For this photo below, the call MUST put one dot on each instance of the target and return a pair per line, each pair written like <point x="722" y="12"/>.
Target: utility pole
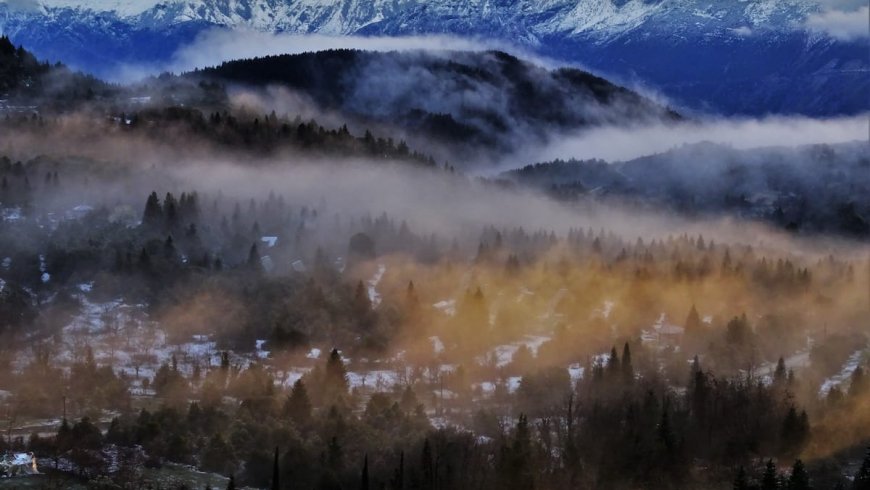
<point x="10" y="419"/>
<point x="441" y="397"/>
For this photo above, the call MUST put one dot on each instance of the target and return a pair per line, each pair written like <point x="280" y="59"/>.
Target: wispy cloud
<point x="217" y="45"/>
<point x="841" y="21"/>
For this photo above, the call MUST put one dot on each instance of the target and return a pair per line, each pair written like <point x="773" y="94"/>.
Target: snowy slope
<point x="603" y="18"/>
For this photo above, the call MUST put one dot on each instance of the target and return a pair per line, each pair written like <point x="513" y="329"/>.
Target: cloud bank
<point x="621" y="143"/>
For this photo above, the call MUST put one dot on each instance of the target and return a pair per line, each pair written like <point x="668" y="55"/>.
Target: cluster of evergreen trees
<point x="265" y="134"/>
<point x="619" y="428"/>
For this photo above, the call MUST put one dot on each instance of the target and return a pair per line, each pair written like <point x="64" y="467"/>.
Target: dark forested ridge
<point x="17" y="66"/>
<point x="39" y="98"/>
<point x="27" y="83"/>
<point x="812" y="190"/>
<point x="487" y="99"/>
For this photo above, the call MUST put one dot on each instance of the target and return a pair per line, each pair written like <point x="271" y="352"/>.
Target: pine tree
<point x="335" y="455"/>
<point x="795" y="429"/>
<point x="409" y="399"/>
<point x="699" y="392"/>
<point x="254" y="258"/>
<point x="769" y="480"/>
<point x="169" y="248"/>
<point x="799" y="479"/>
<point x="411" y="299"/>
<point x="693" y="321"/>
<point x="835" y="396"/>
<point x="170" y="211"/>
<point x="613" y="366"/>
<point x="144" y="259"/>
<point x="153" y="215"/>
<point x="693" y="332"/>
<point x="427" y="464"/>
<point x="696" y="365"/>
<point x="276" y="474"/>
<point x="364" y="481"/>
<point x="666" y="436"/>
<point x="336" y="375"/>
<point x="741" y="481"/>
<point x="858" y="383"/>
<point x="362" y="305"/>
<point x="780" y="374"/>
<point x="862" y="478"/>
<point x="63" y="438"/>
<point x="398" y="482"/>
<point x="298" y="405"/>
<point x="627" y="367"/>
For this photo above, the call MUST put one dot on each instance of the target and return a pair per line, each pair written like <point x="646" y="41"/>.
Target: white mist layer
<point x="626" y="143"/>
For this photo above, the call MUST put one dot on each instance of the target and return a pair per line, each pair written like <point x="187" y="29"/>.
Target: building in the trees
<point x="18" y="464"/>
<point x="663" y="333"/>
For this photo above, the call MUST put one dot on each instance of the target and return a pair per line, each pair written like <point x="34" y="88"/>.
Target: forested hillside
<point x="488" y="100"/>
<point x="809" y="190"/>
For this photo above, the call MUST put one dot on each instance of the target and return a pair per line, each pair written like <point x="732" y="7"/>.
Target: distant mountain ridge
<point x="812" y="189"/>
<point x="535" y="19"/>
<point x="751" y="56"/>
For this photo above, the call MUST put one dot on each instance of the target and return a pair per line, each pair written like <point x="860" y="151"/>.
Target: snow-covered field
<point x="502" y="355"/>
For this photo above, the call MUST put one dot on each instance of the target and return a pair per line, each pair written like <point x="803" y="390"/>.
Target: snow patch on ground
<point x="379" y="380"/>
<point x="269" y="240"/>
<point x="11" y="214"/>
<point x="607" y="309"/>
<point x="288" y="378"/>
<point x="487" y="387"/>
<point x="260" y="352"/>
<point x="575" y="372"/>
<point x="437" y="344"/>
<point x="314" y="353"/>
<point x="374" y="296"/>
<point x="504" y="354"/>
<point x="448" y="307"/>
<point x="513" y="383"/>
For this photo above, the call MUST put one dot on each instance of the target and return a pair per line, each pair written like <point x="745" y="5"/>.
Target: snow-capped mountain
<point x="743" y="56"/>
<point x="532" y="19"/>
